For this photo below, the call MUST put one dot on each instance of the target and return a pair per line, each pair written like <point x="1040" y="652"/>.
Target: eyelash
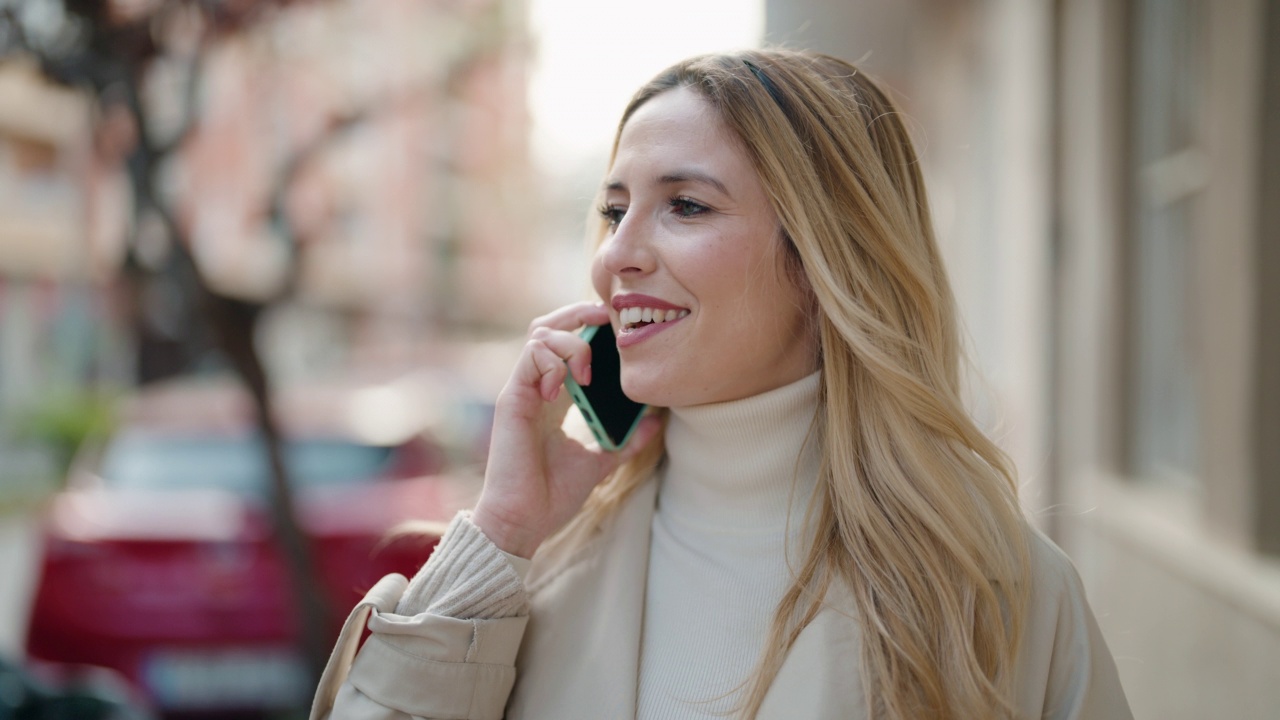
<point x="683" y="206"/>
<point x="612" y="214"/>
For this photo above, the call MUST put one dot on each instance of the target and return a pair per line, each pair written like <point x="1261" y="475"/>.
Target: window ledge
<point x="1163" y="524"/>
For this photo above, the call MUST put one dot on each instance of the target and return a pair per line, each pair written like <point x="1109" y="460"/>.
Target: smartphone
<point x="611" y="415"/>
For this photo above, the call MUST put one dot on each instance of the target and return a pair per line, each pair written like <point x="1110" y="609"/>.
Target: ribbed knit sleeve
<point x="467" y="578"/>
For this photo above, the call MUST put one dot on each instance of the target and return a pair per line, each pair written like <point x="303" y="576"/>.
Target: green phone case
<point x="588" y="412"/>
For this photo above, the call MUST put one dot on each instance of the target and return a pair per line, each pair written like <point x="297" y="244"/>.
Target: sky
<point x="591" y="55"/>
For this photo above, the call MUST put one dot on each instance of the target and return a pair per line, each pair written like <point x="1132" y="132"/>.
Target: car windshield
<point x="140" y="461"/>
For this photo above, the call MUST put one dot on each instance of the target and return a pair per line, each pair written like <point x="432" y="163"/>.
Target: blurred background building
<point x="1104" y="175"/>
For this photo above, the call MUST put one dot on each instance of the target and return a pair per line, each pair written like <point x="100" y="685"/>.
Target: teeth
<point x="633" y="315"/>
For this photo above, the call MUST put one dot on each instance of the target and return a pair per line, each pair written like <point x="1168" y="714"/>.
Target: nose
<point x="628" y="250"/>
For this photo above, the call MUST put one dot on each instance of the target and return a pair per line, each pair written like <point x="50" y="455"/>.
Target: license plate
<point x="239" y="678"/>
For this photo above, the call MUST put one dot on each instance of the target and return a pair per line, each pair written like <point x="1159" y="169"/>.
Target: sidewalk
<point x="17" y="580"/>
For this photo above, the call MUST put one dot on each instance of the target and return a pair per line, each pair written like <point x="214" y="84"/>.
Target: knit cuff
<point x="467" y="578"/>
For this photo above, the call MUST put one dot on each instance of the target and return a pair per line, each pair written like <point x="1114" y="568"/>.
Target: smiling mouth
<point x="637" y="317"/>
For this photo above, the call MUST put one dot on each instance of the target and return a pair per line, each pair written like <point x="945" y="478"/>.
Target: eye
<point x="684" y="207"/>
<point x="612" y="214"/>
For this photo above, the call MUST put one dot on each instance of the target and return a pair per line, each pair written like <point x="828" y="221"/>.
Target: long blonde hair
<point x="917" y="511"/>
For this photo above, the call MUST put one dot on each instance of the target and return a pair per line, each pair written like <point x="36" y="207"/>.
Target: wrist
<point x="509" y="537"/>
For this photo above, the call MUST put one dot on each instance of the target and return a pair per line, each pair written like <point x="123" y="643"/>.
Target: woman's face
<point x="692" y="238"/>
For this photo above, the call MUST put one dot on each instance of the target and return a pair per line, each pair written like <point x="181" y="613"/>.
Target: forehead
<point x="678" y="127"/>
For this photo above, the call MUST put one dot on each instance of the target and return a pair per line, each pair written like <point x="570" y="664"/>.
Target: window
<point x="142" y="461"/>
<point x="1168" y="175"/>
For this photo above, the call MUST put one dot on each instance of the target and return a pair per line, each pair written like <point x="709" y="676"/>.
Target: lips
<point x="642" y="316"/>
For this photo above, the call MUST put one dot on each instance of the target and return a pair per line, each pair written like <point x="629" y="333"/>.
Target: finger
<point x="649" y="428"/>
<point x="536" y="361"/>
<point x="571" y="348"/>
<point x="572" y="317"/>
<point x="550" y="368"/>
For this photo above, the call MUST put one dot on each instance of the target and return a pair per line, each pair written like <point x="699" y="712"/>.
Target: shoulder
<point x="1057" y="608"/>
<point x="1064" y="668"/>
<point x="1053" y="575"/>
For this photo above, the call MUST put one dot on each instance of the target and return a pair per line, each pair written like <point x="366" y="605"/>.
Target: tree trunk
<point x="235" y="322"/>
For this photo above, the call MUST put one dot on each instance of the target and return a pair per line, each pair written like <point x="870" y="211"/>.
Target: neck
<point x="745" y="464"/>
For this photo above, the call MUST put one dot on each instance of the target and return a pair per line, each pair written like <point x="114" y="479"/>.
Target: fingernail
<point x="586" y="376"/>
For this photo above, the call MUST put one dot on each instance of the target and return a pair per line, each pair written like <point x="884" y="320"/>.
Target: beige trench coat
<point x="578" y="654"/>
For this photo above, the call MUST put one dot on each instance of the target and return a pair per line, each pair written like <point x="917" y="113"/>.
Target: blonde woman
<point x="813" y="527"/>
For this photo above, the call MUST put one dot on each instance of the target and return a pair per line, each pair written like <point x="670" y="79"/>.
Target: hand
<point x="537" y="477"/>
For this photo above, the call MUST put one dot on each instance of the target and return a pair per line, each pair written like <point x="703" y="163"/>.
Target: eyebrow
<point x="677" y="177"/>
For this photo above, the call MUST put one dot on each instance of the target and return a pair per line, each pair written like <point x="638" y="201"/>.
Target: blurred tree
<point x="107" y="48"/>
<point x="64" y="420"/>
<point x="111" y="49"/>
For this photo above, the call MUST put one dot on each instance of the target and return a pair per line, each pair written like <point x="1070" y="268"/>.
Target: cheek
<point x="601" y="280"/>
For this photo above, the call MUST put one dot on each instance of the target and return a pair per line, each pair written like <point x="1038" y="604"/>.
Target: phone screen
<point x="615" y="412"/>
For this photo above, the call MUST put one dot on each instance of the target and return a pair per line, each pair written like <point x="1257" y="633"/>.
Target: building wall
<point x="1028" y="128"/>
<point x="58" y="318"/>
<point x="1194" y="625"/>
<point x="1188" y="594"/>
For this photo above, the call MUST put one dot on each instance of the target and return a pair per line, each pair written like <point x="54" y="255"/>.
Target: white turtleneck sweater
<point x="732" y="496"/>
<point x="733" y="491"/>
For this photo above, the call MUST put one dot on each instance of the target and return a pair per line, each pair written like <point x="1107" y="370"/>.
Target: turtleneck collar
<point x="730" y="465"/>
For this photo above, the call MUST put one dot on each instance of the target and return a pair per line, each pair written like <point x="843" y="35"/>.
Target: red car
<point x="160" y="560"/>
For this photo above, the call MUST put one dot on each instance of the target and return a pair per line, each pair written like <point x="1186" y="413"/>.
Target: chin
<point x="639" y="391"/>
<point x="646" y="390"/>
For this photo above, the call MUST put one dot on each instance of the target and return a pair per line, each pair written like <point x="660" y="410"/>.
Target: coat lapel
<point x="821" y="677"/>
<point x="581" y="652"/>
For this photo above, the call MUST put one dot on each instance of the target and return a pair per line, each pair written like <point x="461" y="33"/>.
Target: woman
<point x="815" y="528"/>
